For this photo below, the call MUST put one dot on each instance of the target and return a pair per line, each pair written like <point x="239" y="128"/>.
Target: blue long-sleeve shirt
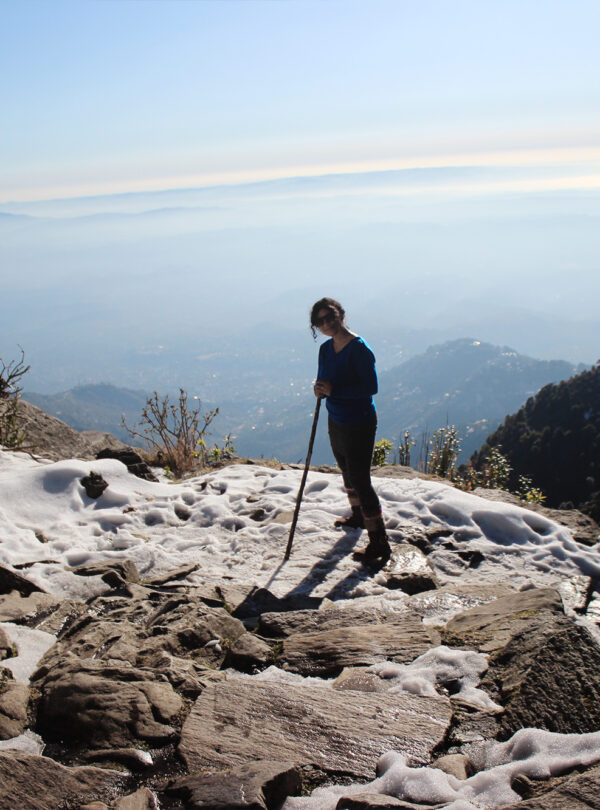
<point x="353" y="376"/>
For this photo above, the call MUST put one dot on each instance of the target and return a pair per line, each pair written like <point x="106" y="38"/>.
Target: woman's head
<point x="325" y="309"/>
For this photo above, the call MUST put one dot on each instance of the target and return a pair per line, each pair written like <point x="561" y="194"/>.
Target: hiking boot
<point x="378" y="549"/>
<point x="351" y="521"/>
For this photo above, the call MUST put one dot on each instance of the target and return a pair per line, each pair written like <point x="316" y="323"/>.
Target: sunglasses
<point x="331" y="316"/>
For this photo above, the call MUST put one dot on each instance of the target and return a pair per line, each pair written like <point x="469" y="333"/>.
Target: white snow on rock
<point x="437" y="667"/>
<point x="215" y="519"/>
<point x="30" y="647"/>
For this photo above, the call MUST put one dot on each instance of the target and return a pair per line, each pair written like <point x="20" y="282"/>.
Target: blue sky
<point x="113" y="96"/>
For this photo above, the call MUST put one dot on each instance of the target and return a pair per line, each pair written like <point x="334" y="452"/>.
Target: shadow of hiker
<point x="323" y="568"/>
<point x="260" y="599"/>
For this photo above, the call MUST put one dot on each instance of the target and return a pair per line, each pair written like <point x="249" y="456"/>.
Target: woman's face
<point x="328" y="322"/>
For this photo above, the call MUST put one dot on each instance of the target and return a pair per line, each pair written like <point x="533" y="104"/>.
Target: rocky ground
<point x="151" y="697"/>
<point x="145" y="700"/>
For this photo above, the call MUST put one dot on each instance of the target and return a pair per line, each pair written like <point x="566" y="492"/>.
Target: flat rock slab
<point x="278" y="625"/>
<point x="31" y="782"/>
<point x="548" y="677"/>
<point x="262" y="785"/>
<point x="337" y="732"/>
<point x="491" y="626"/>
<point x="327" y="652"/>
<point x="441" y="605"/>
<point x="579" y="792"/>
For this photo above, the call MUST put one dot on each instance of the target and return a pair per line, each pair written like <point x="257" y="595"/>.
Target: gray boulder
<point x="489" y="627"/>
<point x="335" y="732"/>
<point x="548" y="676"/>
<point x="94" y="704"/>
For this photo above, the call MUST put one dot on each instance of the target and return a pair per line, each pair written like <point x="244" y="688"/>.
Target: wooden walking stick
<point x="303" y="482"/>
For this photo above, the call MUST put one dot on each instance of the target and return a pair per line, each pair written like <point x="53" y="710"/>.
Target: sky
<point x="180" y="173"/>
<point x="207" y="520"/>
<point x="116" y="96"/>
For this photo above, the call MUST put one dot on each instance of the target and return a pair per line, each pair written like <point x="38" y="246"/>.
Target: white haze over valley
<point x="211" y="288"/>
<point x="49" y="526"/>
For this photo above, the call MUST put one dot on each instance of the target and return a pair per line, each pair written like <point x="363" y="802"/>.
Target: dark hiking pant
<point x="352" y="447"/>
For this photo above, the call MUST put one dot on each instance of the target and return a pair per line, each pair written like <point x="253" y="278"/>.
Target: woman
<point x="347" y="379"/>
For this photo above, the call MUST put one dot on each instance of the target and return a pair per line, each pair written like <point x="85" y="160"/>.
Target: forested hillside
<point x="555" y="440"/>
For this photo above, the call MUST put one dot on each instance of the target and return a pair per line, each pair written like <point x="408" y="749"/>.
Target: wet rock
<point x="186" y="676"/>
<point x="11" y="581"/>
<point x="337" y="732"/>
<point x="409" y="570"/>
<point x="132" y="460"/>
<point x="548" y="676"/>
<point x="325" y="653"/>
<point x="261" y="785"/>
<point x="249" y="654"/>
<point x="102" y="705"/>
<point x="31" y="782"/>
<point x="441" y="605"/>
<point x="578" y="792"/>
<point x="490" y="626"/>
<point x="142" y="799"/>
<point x="14" y="702"/>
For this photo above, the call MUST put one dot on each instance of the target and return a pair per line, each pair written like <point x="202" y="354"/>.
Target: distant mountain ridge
<point x="465" y="382"/>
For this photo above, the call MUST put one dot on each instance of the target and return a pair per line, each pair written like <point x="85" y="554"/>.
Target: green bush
<point x="381" y="452"/>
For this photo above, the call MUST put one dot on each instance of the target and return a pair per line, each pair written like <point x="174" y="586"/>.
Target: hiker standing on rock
<point x="347" y="378"/>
